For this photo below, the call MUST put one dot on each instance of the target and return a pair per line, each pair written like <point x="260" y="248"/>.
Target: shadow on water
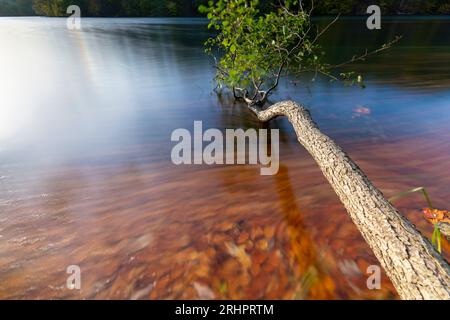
<point x="315" y="282"/>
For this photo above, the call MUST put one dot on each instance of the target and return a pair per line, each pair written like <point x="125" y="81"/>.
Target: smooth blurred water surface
<point x="122" y="81"/>
<point x="85" y="124"/>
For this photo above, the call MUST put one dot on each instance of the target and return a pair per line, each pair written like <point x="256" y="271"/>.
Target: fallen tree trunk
<point x="415" y="268"/>
<point x="444" y="227"/>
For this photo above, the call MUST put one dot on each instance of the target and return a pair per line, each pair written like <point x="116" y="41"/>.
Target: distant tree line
<point x="16" y="8"/>
<point x="393" y="7"/>
<point x="161" y="8"/>
<point x="113" y="8"/>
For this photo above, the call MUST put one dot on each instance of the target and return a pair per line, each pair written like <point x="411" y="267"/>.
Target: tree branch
<point x="277" y="81"/>
<point x="366" y="54"/>
<point x="319" y="34"/>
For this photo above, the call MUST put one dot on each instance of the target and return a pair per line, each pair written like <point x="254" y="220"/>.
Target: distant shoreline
<point x="201" y="17"/>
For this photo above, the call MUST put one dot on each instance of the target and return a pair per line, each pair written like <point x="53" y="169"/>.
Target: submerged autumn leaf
<point x="435" y="216"/>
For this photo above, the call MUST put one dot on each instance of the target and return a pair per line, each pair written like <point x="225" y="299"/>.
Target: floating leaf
<point x="434" y="215"/>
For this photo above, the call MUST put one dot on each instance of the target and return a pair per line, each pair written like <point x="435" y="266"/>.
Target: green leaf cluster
<point x="255" y="48"/>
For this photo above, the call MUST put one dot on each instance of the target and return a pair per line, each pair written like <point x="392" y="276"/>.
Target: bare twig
<point x="366" y="54"/>
<point x="319" y="34"/>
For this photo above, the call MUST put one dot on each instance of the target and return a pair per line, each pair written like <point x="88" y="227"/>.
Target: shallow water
<point x="86" y="177"/>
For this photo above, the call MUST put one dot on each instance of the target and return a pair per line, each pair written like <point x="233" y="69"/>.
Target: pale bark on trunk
<point x="415" y="268"/>
<point x="444" y="227"/>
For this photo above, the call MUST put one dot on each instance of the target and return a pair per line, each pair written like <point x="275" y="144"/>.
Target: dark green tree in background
<point x="142" y="8"/>
<point x="113" y="8"/>
<point x="16" y="7"/>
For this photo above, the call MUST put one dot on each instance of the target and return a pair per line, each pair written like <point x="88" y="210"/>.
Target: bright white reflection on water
<point x="71" y="90"/>
<point x="119" y="82"/>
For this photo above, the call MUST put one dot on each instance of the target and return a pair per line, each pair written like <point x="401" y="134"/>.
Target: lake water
<point x="86" y="177"/>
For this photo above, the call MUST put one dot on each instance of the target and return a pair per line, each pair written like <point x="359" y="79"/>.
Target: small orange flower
<point x="434" y="216"/>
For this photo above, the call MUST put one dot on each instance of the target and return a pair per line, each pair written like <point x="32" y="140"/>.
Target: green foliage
<point x="117" y="8"/>
<point x="436" y="238"/>
<point x="258" y="48"/>
<point x="358" y="7"/>
<point x="16" y="7"/>
<point x="255" y="46"/>
<point x="51" y="7"/>
<point x="189" y="7"/>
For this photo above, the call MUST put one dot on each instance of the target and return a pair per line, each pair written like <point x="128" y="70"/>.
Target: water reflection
<point x="86" y="177"/>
